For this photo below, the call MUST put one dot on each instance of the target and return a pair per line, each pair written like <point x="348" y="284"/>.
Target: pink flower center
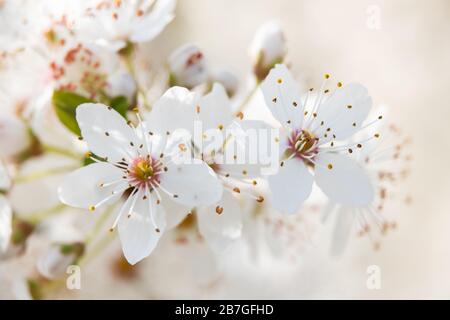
<point x="144" y="171"/>
<point x="302" y="143"/>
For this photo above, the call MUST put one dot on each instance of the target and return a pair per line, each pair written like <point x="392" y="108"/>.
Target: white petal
<point x="342" y="229"/>
<point x="175" y="212"/>
<point x="174" y="110"/>
<point x="281" y="93"/>
<point x="106" y="131"/>
<point x="346" y="183"/>
<point x="155" y="22"/>
<point x="138" y="234"/>
<point x="155" y="142"/>
<point x="227" y="79"/>
<point x="219" y="230"/>
<point x="291" y="186"/>
<point x="345" y="111"/>
<point x="82" y="188"/>
<point x="5" y="223"/>
<point x="193" y="184"/>
<point x="214" y="109"/>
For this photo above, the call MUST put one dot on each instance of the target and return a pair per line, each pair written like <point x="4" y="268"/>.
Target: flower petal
<point x="219" y="230"/>
<point x="174" y="110"/>
<point x="82" y="188"/>
<point x="214" y="109"/>
<point x="282" y="96"/>
<point x="138" y="234"/>
<point x="5" y="223"/>
<point x="343" y="180"/>
<point x="175" y="212"/>
<point x="152" y="24"/>
<point x="155" y="142"/>
<point x="193" y="184"/>
<point x="344" y="112"/>
<point x="291" y="186"/>
<point x="106" y="132"/>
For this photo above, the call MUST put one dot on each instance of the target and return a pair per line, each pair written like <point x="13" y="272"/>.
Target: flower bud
<point x="121" y="84"/>
<point x="19" y="234"/>
<point x="187" y="67"/>
<point x="53" y="263"/>
<point x="227" y="80"/>
<point x="267" y="49"/>
<point x="14" y="136"/>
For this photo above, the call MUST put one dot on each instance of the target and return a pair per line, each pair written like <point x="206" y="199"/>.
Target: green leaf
<point x="65" y="104"/>
<point x="120" y="104"/>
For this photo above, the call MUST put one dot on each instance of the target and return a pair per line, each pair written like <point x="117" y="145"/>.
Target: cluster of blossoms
<point x="83" y="127"/>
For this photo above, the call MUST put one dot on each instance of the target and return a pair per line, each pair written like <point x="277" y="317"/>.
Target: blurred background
<point x="400" y="50"/>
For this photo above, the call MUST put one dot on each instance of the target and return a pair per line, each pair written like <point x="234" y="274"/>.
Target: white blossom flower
<point x="139" y="164"/>
<point x="309" y="144"/>
<point x="85" y="71"/>
<point x="115" y="23"/>
<point x="267" y="49"/>
<point x="221" y="221"/>
<point x="387" y="165"/>
<point x="34" y="24"/>
<point x="188" y="66"/>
